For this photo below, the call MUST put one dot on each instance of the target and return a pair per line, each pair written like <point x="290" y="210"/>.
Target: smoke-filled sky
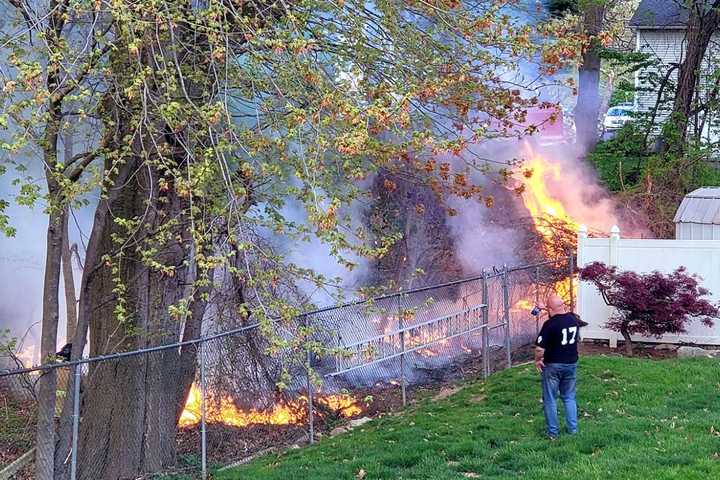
<point x="22" y="258"/>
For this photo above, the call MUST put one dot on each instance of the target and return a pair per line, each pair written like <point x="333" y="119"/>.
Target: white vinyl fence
<point x="701" y="257"/>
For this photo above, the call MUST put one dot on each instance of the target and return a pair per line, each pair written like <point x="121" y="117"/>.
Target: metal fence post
<point x="203" y="393"/>
<point x="506" y="314"/>
<point x="311" y="414"/>
<point x="336" y="336"/>
<point x="401" y="325"/>
<point x="571" y="273"/>
<point x="537" y="298"/>
<point x="308" y="374"/>
<point x="485" y="330"/>
<point x="75" y="420"/>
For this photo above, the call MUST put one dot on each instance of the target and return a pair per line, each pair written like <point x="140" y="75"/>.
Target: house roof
<point x="660" y="14"/>
<point x="700" y="206"/>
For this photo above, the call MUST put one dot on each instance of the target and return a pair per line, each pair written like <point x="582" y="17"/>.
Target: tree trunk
<point x="130" y="406"/>
<point x="702" y="23"/>
<point x="587" y="108"/>
<point x="628" y="341"/>
<point x="94" y="267"/>
<point x="45" y="441"/>
<point x="126" y="439"/>
<point x="68" y="282"/>
<point x="67" y="272"/>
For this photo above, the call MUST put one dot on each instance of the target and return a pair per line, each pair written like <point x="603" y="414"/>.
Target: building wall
<point x="697" y="231"/>
<point x="701" y="257"/>
<point x="668" y="46"/>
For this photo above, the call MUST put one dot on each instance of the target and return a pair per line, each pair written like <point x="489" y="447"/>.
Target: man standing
<point x="556" y="358"/>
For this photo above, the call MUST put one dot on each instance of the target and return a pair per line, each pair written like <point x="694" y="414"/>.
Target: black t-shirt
<point x="559" y="337"/>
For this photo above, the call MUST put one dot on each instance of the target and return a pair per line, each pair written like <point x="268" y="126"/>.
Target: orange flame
<point x="345" y="405"/>
<point x="522" y="305"/>
<point x="563" y="288"/>
<point x="225" y="411"/>
<point x="414" y="338"/>
<point x="536" y="176"/>
<point x="26" y="355"/>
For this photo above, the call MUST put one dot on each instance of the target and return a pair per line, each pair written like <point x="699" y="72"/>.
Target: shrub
<point x="620" y="160"/>
<point x="651" y="304"/>
<point x="654" y="184"/>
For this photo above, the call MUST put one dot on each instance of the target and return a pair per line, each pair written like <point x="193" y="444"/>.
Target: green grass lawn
<point x="640" y="419"/>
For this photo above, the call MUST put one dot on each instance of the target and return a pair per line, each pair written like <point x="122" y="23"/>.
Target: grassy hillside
<point x="640" y="419"/>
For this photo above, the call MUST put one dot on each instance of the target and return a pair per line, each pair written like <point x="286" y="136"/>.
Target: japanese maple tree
<point x="650" y="304"/>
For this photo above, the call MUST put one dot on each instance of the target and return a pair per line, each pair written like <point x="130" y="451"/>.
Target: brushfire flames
<point x="432" y="338"/>
<point x="545" y="208"/>
<point x="26" y="355"/>
<point x="225" y="411"/>
<point x="522" y="305"/>
<point x="556" y="227"/>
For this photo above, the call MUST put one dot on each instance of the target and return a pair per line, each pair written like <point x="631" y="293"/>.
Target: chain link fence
<point x="124" y="415"/>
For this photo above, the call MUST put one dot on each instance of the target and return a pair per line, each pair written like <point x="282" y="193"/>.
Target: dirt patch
<point x="642" y="350"/>
<point x="478" y="398"/>
<point x="18" y="427"/>
<point x="446" y="392"/>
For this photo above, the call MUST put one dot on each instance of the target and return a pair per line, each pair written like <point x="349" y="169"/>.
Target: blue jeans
<point x="559" y="378"/>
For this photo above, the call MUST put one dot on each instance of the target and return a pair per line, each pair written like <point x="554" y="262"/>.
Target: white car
<point x="616" y="117"/>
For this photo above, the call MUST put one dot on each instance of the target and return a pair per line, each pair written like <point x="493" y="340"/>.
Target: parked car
<point x="616" y="117"/>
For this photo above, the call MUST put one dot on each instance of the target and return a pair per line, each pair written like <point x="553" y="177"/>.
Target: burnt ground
<point x="641" y="350"/>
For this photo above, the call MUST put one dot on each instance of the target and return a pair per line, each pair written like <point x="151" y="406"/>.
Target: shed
<point x="698" y="217"/>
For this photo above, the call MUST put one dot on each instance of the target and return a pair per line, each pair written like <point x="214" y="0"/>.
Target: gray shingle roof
<point x="660" y="13"/>
<point x="700" y="206"/>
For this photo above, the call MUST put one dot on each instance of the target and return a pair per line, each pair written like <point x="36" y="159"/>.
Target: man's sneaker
<point x="552" y="438"/>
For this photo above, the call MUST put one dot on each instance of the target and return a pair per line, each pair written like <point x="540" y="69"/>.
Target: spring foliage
<point x="257" y="117"/>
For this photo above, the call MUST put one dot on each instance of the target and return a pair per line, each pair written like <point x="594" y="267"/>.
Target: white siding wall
<point x="701" y="257"/>
<point x="668" y="47"/>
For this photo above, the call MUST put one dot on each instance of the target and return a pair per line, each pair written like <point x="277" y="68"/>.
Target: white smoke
<point x="312" y="253"/>
<point x="480" y="242"/>
<point x="22" y="260"/>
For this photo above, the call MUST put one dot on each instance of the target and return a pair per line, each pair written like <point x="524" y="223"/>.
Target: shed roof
<point x="660" y="14"/>
<point x="700" y="206"/>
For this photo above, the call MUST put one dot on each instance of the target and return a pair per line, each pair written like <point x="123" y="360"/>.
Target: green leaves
<point x="5" y="226"/>
<point x="29" y="194"/>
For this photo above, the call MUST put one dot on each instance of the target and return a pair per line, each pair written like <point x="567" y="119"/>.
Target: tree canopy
<point x="197" y="126"/>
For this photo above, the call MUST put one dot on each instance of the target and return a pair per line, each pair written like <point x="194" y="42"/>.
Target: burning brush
<point x="224" y="410"/>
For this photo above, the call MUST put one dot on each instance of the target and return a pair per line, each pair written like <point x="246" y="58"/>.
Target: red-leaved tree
<point x="650" y="304"/>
